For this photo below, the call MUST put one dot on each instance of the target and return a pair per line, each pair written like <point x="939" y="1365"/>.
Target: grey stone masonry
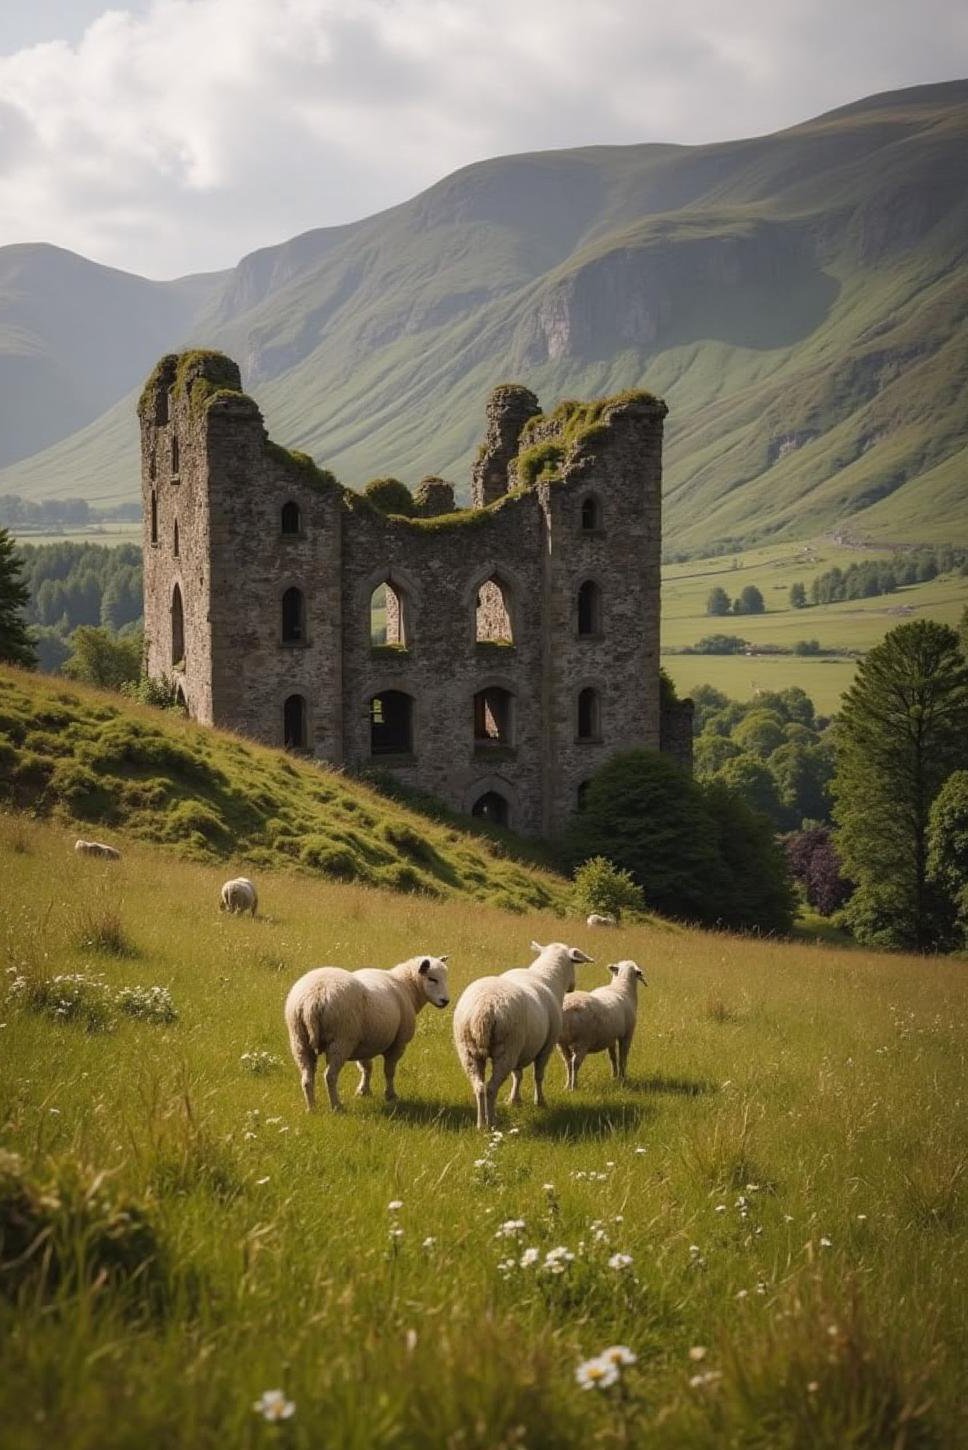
<point x="493" y="656"/>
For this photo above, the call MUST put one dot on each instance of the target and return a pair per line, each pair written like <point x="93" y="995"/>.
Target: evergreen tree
<point x="750" y="601"/>
<point x="903" y="730"/>
<point x="15" y="643"/>
<point x="798" y="596"/>
<point x="718" y="601"/>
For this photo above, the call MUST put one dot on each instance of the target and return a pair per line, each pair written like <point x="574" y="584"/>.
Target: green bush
<point x="390" y="496"/>
<point x="603" y="887"/>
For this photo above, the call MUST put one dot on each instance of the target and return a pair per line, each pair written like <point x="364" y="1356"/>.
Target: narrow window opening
<point x="388" y="617"/>
<point x="591" y="514"/>
<point x="589" y="608"/>
<point x="293" y="621"/>
<point x="391" y="723"/>
<point x="589" y="715"/>
<point x="154" y="517"/>
<point x="493" y="709"/>
<point x="492" y="806"/>
<point x="175" y="470"/>
<point x="493" y="616"/>
<point x="294" y="723"/>
<point x="177" y="628"/>
<point x="175" y="540"/>
<point x="161" y="407"/>
<point x="291" y="522"/>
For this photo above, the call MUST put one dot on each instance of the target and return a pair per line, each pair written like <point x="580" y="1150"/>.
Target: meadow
<point x="770" y="1214"/>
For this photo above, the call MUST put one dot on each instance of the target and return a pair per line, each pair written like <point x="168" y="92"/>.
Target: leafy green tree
<point x="755" y="885"/>
<point x="718" y="601"/>
<point x="749" y="601"/>
<point x="750" y="779"/>
<point x="903" y="730"/>
<point x="711" y="752"/>
<point x="706" y="701"/>
<point x="802" y="774"/>
<point x="99" y="657"/>
<point x="720" y="644"/>
<point x="948" y="845"/>
<point x="602" y="887"/>
<point x="798" y="596"/>
<point x="16" y="646"/>
<point x="390" y="496"/>
<point x="760" y="733"/>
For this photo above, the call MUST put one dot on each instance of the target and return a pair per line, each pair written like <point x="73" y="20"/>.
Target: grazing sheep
<point x="97" y="848"/>
<point x="601" y="1020"/>
<point x="239" y="895"/>
<point x="596" y="920"/>
<point x="513" y="1019"/>
<point x="357" y="1016"/>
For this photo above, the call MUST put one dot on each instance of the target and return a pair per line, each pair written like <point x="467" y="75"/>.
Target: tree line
<point x="74" y="586"/>
<point x="53" y="513"/>
<point x="869" y="578"/>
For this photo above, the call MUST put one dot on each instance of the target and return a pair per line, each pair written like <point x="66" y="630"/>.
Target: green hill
<point x="799" y="299"/>
<point x="106" y="763"/>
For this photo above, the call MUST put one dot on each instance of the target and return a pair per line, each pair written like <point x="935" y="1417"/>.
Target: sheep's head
<point x="572" y="955"/>
<point x="627" y="972"/>
<point x="432" y="972"/>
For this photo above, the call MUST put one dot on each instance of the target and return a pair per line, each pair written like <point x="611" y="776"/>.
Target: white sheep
<point x="514" y="1019"/>
<point x="602" y="1020"/>
<point x="598" y="920"/>
<point x="97" y="848"/>
<point x="357" y="1016"/>
<point x="239" y="895"/>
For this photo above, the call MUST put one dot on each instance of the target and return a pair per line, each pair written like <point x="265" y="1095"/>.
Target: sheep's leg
<point x="540" y="1063"/>
<point x="514" y="1097"/>
<point x="613" y="1058"/>
<point x="305" y="1059"/>
<point x="566" y="1059"/>
<point x="499" y="1071"/>
<point x="334" y="1063"/>
<point x="624" y="1044"/>
<point x="363" y="1090"/>
<point x="579" y="1053"/>
<point x="390" y="1060"/>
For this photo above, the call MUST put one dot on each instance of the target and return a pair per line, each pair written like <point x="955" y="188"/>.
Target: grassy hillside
<point x="799" y="299"/>
<point x="784" y="1169"/>
<point x="107" y="765"/>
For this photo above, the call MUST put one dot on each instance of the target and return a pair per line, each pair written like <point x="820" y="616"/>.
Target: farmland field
<point x="785" y="1172"/>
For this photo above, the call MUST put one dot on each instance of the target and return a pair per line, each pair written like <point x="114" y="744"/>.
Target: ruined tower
<point x="493" y="656"/>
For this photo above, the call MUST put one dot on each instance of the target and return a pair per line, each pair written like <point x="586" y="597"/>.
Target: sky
<point x="174" y="136"/>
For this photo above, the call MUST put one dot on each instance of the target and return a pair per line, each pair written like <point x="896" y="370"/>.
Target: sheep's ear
<point x="444" y="957"/>
<point x="424" y="967"/>
<point x="536" y="946"/>
<point x="577" y="955"/>
<point x="641" y="976"/>
<point x="613" y="968"/>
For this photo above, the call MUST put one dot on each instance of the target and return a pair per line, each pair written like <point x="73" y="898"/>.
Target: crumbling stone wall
<point x="492" y="675"/>
<point x="508" y="409"/>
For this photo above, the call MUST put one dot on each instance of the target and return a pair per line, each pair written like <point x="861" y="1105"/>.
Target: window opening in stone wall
<point x="291" y="523"/>
<point x="589" y="715"/>
<point x="391" y="723"/>
<point x="493" y="717"/>
<point x="589" y="608"/>
<point x="154" y="517"/>
<point x="161" y="407"/>
<point x="294" y="723"/>
<point x="177" y="628"/>
<point x="591" y="514"/>
<point x="174" y="542"/>
<point x="174" y="456"/>
<point x="492" y="806"/>
<point x="293" y="621"/>
<point x="582" y="793"/>
<point x="389" y="617"/>
<point x="493" y="622"/>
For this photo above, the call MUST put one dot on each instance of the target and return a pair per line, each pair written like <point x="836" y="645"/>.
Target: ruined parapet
<point x="509" y="408"/>
<point x="432" y="497"/>
<point x="576" y="436"/>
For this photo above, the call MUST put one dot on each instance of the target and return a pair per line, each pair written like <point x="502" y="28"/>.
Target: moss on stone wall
<point x="306" y="469"/>
<point x="572" y="425"/>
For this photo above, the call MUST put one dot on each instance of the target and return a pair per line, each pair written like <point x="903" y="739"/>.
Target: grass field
<point x="785" y="1168"/>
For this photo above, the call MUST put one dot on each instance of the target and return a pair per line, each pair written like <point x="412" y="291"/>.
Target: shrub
<point x="320" y="853"/>
<point x="151" y="1004"/>
<point x="815" y="865"/>
<point x="602" y="887"/>
<point x="67" y="997"/>
<point x="390" y="496"/>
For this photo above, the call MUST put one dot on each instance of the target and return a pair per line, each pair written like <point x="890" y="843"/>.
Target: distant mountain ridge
<point x="799" y="299"/>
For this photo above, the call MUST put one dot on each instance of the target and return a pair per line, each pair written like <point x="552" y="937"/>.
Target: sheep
<point x="97" y="848"/>
<point x="596" y="920"/>
<point x="357" y="1016"/>
<point x="600" y="1020"/>
<point x="239" y="895"/>
<point x="514" y="1019"/>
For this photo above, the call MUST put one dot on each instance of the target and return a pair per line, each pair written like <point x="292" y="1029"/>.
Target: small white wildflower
<point x="619" y="1354"/>
<point x="761" y="1286"/>
<point x="480" y="1162"/>
<point x="410" y="1340"/>
<point x="273" y="1405"/>
<point x="695" y="1250"/>
<point x="813" y="1387"/>
<point x="706" y="1380"/>
<point x="698" y="1352"/>
<point x="720" y="1208"/>
<point x="619" y="1218"/>
<point x="862" y="1218"/>
<point x="742" y="1293"/>
<point x="394" y="1205"/>
<point x="529" y="1257"/>
<point x="259" y="1182"/>
<point x="513" y="1131"/>
<point x="641" y="1150"/>
<point x="620" y="1261"/>
<point x="788" y="1218"/>
<point x="510" y="1228"/>
<point x="596" y="1374"/>
<point x="610" y="1163"/>
<point x="825" y="1243"/>
<point x="396" y="1233"/>
<point x="429" y="1242"/>
<point x="548" y="1187"/>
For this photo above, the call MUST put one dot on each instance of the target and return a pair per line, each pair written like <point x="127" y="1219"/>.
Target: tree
<point x="710" y="753"/>
<point x="948" y="845"/>
<point x="798" y="596"/>
<point x="802" y="774"/>
<point x="603" y="888"/>
<point x="760" y="733"/>
<point x="750" y="779"/>
<point x="750" y="601"/>
<point x="903" y="730"/>
<point x="15" y="643"/>
<point x="756" y="890"/>
<point x="99" y="657"/>
<point x="718" y="601"/>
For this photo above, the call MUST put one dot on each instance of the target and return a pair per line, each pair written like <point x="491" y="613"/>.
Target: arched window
<point x="294" y="723"/>
<point x="177" y="628"/>
<point x="389" y="616"/>
<point x="391" y="723"/>
<point x="591" y="514"/>
<point x="493" y="717"/>
<point x="589" y="715"/>
<point x="589" y="608"/>
<point x="293" y="617"/>
<point x="291" y="522"/>
<point x="493" y="807"/>
<point x="154" y="517"/>
<point x="582" y="793"/>
<point x="493" y="619"/>
<point x="174" y="541"/>
<point x="174" y="456"/>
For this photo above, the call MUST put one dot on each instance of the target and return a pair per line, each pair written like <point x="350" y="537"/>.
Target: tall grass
<point x="785" y="1170"/>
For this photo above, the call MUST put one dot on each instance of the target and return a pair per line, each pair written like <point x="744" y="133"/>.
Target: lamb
<point x="596" y="920"/>
<point x="239" y="895"/>
<point x="97" y="848"/>
<point x="357" y="1016"/>
<point x="514" y="1019"/>
<point x="601" y="1020"/>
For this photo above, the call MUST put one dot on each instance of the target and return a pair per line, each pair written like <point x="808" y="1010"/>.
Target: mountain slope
<point x="799" y="299"/>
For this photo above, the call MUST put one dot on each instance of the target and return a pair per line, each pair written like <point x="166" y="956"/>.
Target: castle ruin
<point x="493" y="656"/>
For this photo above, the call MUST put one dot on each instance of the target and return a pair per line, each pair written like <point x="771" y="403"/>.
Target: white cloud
<point x="178" y="136"/>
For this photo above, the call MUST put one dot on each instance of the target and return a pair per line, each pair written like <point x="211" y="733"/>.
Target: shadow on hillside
<point x="589" y="1120"/>
<point x="684" y="1087"/>
<point x="429" y="1114"/>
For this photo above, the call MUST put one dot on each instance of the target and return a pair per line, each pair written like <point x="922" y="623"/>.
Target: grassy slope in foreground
<point x="110" y="764"/>
<point x="785" y="1168"/>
